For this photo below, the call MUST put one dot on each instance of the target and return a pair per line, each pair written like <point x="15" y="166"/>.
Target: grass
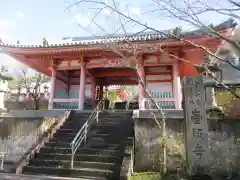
<point x="146" y="176"/>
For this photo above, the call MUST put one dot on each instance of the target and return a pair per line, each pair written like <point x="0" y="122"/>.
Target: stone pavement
<point x="7" y="176"/>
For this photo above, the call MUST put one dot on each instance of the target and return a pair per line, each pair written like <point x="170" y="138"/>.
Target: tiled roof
<point x="144" y="36"/>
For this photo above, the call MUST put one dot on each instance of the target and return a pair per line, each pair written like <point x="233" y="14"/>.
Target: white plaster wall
<point x="158" y="77"/>
<point x="74" y="91"/>
<point x="60" y="89"/>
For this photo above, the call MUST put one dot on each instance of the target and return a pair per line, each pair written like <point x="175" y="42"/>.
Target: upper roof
<point x="143" y="36"/>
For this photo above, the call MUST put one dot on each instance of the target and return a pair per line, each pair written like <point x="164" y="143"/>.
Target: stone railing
<point x="24" y="160"/>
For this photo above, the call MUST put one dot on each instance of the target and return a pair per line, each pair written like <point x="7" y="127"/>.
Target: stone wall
<point x="224" y="145"/>
<point x="27" y="104"/>
<point x="17" y="135"/>
<point x="34" y="113"/>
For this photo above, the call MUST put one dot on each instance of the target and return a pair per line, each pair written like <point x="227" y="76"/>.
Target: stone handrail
<point x="24" y="160"/>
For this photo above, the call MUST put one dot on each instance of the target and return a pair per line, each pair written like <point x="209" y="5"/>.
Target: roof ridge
<point x="141" y="36"/>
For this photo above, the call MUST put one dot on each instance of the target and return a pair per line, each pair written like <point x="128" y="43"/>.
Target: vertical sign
<point x="196" y="127"/>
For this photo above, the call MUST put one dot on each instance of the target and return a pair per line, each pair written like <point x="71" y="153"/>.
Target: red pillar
<point x="82" y="86"/>
<point x="52" y="92"/>
<point x="177" y="88"/>
<point x="93" y="92"/>
<point x="140" y="69"/>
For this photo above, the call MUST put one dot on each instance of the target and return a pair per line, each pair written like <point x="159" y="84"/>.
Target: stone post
<point x="196" y="126"/>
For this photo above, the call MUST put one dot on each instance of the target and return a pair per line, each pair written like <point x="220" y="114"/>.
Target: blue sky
<point x="30" y="20"/>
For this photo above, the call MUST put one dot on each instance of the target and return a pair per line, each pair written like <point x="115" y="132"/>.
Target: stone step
<point x="105" y="140"/>
<point x="70" y="137"/>
<point x="57" y="144"/>
<point x="116" y="113"/>
<point x="78" y="157"/>
<point x="107" y="122"/>
<point x="66" y="172"/>
<point x="63" y="138"/>
<point x="72" y="125"/>
<point x="95" y="134"/>
<point x="62" y="135"/>
<point x="102" y="146"/>
<point x="68" y="130"/>
<point x="90" y="144"/>
<point x="105" y="130"/>
<point x="80" y="114"/>
<point x="77" y="164"/>
<point x="65" y="150"/>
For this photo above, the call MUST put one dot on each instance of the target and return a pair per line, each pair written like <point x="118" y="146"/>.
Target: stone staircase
<point x="100" y="158"/>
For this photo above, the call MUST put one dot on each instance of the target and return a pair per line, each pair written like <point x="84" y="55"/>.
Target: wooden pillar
<point x="93" y="92"/>
<point x="196" y="126"/>
<point x="53" y="86"/>
<point x="177" y="87"/>
<point x="140" y="69"/>
<point x="82" y="85"/>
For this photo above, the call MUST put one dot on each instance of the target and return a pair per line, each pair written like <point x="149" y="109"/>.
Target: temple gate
<point x="81" y="69"/>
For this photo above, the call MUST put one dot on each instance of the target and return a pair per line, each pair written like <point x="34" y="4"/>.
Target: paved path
<point x="7" y="176"/>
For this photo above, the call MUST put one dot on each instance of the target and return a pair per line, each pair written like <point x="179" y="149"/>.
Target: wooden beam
<point x="68" y="67"/>
<point x="62" y="77"/>
<point x="119" y="82"/>
<point x="32" y="64"/>
<point x="158" y="81"/>
<point x="117" y="73"/>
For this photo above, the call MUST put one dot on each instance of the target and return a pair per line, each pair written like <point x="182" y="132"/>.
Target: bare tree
<point x="189" y="12"/>
<point x="32" y="84"/>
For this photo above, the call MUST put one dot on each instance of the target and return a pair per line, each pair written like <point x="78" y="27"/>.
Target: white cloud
<point x="6" y="37"/>
<point x="135" y="11"/>
<point x="20" y="15"/>
<point x="5" y="23"/>
<point x="106" y="11"/>
<point x="10" y="63"/>
<point x="81" y="19"/>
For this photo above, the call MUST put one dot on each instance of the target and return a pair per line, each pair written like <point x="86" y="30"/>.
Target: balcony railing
<point x="70" y="103"/>
<point x="164" y="100"/>
<point x="166" y="103"/>
<point x="66" y="104"/>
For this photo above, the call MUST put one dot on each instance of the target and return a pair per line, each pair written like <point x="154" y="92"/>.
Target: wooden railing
<point x="40" y="142"/>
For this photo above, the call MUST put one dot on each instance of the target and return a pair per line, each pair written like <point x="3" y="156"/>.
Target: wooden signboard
<point x="196" y="126"/>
